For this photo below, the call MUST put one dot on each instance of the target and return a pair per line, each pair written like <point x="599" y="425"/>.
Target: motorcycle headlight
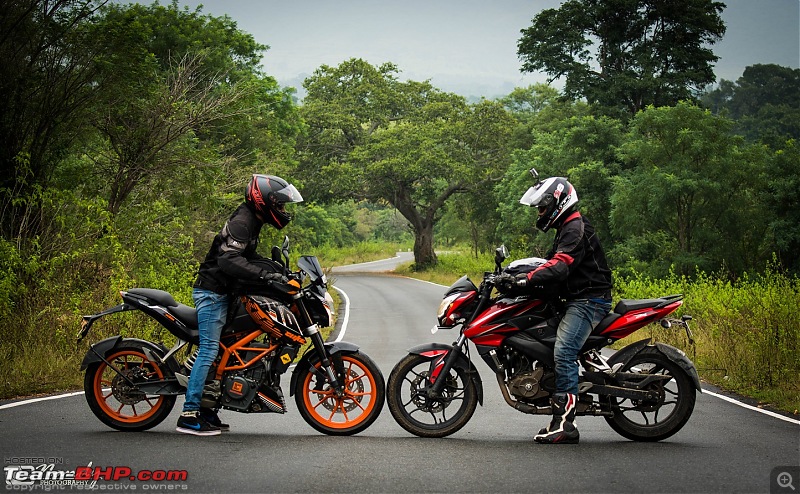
<point x="451" y="307"/>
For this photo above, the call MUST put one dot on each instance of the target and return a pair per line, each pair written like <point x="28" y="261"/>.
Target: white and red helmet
<point x="267" y="194"/>
<point x="555" y="198"/>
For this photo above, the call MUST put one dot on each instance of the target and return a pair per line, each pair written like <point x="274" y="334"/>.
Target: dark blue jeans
<point x="212" y="310"/>
<point x="581" y="317"/>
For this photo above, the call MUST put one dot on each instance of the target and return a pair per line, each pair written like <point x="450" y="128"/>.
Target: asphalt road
<point x="724" y="447"/>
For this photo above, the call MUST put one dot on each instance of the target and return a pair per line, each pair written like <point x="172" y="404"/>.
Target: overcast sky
<point x="463" y="46"/>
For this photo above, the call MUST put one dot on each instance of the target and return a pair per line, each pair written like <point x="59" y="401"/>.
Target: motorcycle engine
<point x="238" y="390"/>
<point x="527" y="385"/>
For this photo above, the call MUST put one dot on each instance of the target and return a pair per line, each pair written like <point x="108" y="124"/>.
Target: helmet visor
<point x="288" y="194"/>
<point x="535" y="196"/>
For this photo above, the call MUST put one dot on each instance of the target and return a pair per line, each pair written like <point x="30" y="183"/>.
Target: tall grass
<point x="747" y="332"/>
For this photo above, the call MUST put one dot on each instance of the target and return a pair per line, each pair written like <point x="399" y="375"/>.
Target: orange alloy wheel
<point x="353" y="407"/>
<point x="113" y="392"/>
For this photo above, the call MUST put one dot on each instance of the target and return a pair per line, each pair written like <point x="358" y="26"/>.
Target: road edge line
<point x="346" y="318"/>
<point x="36" y="400"/>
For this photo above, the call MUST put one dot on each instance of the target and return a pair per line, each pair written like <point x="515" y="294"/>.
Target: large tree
<point x="764" y="102"/>
<point x="374" y="137"/>
<point x="692" y="194"/>
<point x="46" y="78"/>
<point x="626" y="54"/>
<point x="171" y="76"/>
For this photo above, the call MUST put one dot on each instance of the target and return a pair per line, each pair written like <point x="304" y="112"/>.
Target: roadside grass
<point x="747" y="333"/>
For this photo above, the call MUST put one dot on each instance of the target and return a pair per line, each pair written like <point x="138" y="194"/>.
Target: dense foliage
<point x="129" y="131"/>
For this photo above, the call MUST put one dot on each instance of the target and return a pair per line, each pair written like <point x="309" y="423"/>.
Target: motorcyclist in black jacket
<point x="230" y="260"/>
<point x="577" y="268"/>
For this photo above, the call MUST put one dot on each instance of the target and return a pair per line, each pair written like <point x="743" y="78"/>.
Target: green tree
<point x="689" y="195"/>
<point x="46" y="80"/>
<point x="526" y="105"/>
<point x="417" y="165"/>
<point x="782" y="204"/>
<point x="764" y="102"/>
<point x="625" y="54"/>
<point x="172" y="76"/>
<point x="371" y="136"/>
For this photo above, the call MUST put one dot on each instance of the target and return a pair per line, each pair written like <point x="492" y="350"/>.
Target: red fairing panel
<point x="485" y="328"/>
<point x="633" y="320"/>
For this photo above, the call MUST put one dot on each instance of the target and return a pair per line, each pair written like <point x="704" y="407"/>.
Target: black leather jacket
<point x="576" y="262"/>
<point x="231" y="254"/>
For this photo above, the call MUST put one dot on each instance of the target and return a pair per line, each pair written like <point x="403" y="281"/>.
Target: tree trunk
<point x="424" y="256"/>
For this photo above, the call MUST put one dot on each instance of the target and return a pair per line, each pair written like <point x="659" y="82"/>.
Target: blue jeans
<point x="212" y="310"/>
<point x="581" y="318"/>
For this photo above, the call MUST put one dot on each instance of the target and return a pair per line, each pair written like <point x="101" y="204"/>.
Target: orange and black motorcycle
<point x="132" y="384"/>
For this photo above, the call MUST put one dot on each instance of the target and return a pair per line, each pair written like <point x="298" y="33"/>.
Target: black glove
<point x="506" y="282"/>
<point x="265" y="276"/>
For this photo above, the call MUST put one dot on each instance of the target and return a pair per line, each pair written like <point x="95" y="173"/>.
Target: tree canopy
<point x="404" y="143"/>
<point x="625" y="54"/>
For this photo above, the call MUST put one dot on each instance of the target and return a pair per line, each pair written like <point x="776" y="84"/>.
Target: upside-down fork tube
<point x="449" y="361"/>
<point x="312" y="331"/>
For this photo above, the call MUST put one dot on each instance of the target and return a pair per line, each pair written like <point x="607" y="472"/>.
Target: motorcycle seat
<point x="158" y="296"/>
<point x="626" y="305"/>
<point x="187" y="315"/>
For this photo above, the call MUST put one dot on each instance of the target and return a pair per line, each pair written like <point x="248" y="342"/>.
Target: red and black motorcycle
<point x="645" y="391"/>
<point x="132" y="384"/>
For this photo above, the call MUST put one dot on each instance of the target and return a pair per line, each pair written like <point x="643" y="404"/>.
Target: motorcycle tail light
<point x="449" y="308"/>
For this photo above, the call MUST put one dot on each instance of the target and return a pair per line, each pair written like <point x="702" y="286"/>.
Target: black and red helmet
<point x="266" y="195"/>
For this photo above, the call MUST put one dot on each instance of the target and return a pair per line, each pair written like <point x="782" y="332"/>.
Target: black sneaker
<point x="193" y="423"/>
<point x="210" y="416"/>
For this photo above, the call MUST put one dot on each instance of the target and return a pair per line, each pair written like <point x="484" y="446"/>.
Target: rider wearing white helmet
<point x="577" y="268"/>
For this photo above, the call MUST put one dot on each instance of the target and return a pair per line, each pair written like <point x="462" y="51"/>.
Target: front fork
<point x="312" y="331"/>
<point x="325" y="362"/>
<point x="443" y="369"/>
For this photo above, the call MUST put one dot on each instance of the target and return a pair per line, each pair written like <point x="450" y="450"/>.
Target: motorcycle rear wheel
<point x="420" y="415"/>
<point x="114" y="401"/>
<point x="352" y="411"/>
<point x="653" y="421"/>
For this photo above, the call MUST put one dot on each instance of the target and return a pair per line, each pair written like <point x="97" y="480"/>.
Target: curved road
<point x="724" y="447"/>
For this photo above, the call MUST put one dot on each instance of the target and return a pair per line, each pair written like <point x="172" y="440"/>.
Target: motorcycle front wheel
<point x="114" y="401"/>
<point x="426" y="416"/>
<point x="350" y="412"/>
<point x="654" y="420"/>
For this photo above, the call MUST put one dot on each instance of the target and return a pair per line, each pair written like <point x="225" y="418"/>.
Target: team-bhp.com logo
<point x="46" y="475"/>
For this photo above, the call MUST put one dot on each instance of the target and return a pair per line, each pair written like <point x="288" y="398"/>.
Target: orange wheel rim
<point x="113" y="398"/>
<point x="350" y="409"/>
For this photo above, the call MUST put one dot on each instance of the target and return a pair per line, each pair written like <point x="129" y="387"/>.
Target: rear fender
<point x="436" y="350"/>
<point x="311" y="357"/>
<point x="675" y="355"/>
<point x="99" y="351"/>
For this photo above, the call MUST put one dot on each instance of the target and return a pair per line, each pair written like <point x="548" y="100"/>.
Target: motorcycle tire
<point x="353" y="411"/>
<point x="114" y="401"/>
<point x="421" y="416"/>
<point x="653" y="421"/>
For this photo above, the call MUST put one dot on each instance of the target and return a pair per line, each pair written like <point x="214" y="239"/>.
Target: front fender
<point x="310" y="358"/>
<point x="679" y="357"/>
<point x="97" y="352"/>
<point x="433" y="350"/>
